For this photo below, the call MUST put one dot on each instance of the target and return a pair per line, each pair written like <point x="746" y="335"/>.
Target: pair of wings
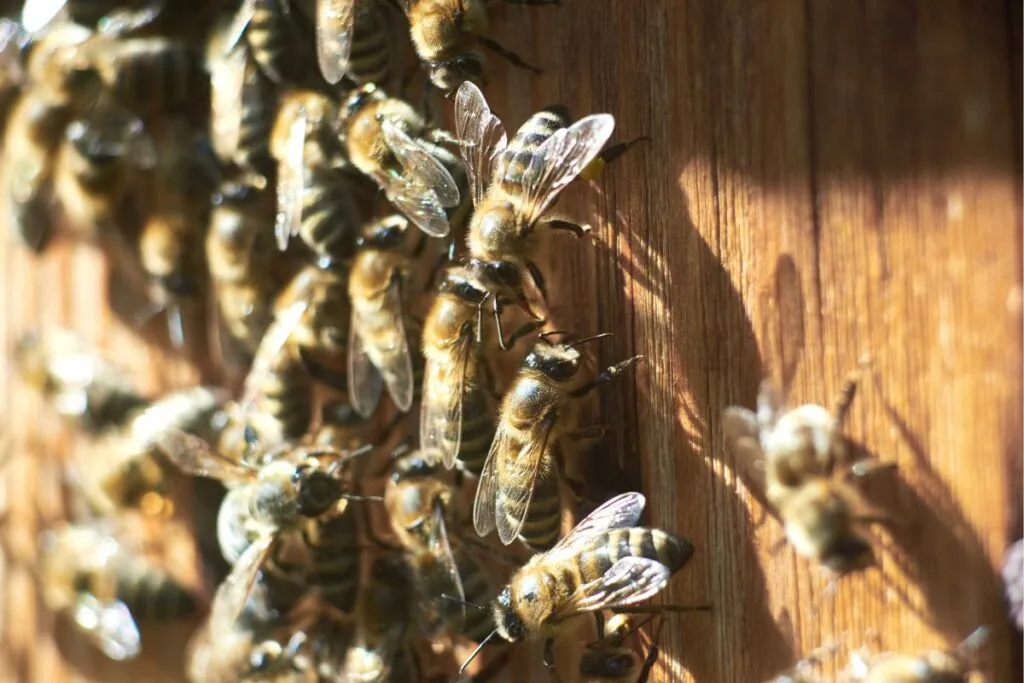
<point x="441" y="404"/>
<point x="628" y="581"/>
<point x="511" y="461"/>
<point x="550" y="167"/>
<point x="365" y="379"/>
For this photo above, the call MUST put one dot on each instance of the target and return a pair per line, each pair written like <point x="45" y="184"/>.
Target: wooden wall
<point x="825" y="179"/>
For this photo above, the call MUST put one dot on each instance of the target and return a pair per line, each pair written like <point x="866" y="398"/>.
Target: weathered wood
<point x="824" y="180"/>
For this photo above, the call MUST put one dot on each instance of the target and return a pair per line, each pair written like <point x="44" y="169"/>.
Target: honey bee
<point x="383" y="274"/>
<point x="605" y="563"/>
<point x="608" y="659"/>
<point x="82" y="386"/>
<point x="514" y="183"/>
<point x="239" y="655"/>
<point x="518" y="490"/>
<point x="933" y="666"/>
<point x="352" y="40"/>
<point x="314" y="200"/>
<point x="807" y="468"/>
<point x="106" y="586"/>
<point x="457" y="407"/>
<point x="390" y="143"/>
<point x="281" y="40"/>
<point x="239" y="250"/>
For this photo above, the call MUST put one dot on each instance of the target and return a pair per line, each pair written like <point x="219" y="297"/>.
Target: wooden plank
<point x="824" y="180"/>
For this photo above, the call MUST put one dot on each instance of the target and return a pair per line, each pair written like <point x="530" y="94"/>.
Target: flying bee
<point x="390" y="143"/>
<point x="933" y="666"/>
<point x="315" y="201"/>
<point x="518" y="491"/>
<point x="608" y="659"/>
<point x="383" y="274"/>
<point x="604" y="563"/>
<point x="82" y="386"/>
<point x="514" y="183"/>
<point x="457" y="407"/>
<point x="239" y="249"/>
<point x="806" y="474"/>
<point x="106" y="586"/>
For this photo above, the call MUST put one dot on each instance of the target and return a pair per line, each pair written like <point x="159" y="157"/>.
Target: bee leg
<point x="522" y="331"/>
<point x="549" y="658"/>
<point x="613" y="152"/>
<point x="511" y="57"/>
<point x="607" y="375"/>
<point x="869" y="466"/>
<point x="578" y="231"/>
<point x="652" y="655"/>
<point x="849" y="391"/>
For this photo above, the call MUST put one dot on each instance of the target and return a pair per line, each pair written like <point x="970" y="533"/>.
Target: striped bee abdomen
<point x="528" y="138"/>
<point x="334" y="547"/>
<point x="605" y="549"/>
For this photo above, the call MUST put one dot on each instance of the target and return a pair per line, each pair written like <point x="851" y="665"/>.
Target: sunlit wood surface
<point x="824" y="180"/>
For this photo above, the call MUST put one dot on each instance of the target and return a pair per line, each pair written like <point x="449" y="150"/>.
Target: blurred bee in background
<point x="384" y="274"/>
<point x="806" y="474"/>
<point x="605" y="563"/>
<point x="389" y="142"/>
<point x="514" y="183"/>
<point x="315" y="201"/>
<point x="518" y="492"/>
<point x="353" y="42"/>
<point x="457" y="403"/>
<point x="80" y="384"/>
<point x="933" y="666"/>
<point x="446" y="34"/>
<point x="106" y="586"/>
<point x="281" y="39"/>
<point x="609" y="659"/>
<point x="239" y="251"/>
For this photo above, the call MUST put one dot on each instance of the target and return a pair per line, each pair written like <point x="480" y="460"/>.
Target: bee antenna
<point x="475" y="652"/>
<point x="467" y="603"/>
<point x="591" y="338"/>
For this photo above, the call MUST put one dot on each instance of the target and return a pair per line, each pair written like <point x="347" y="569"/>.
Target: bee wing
<point x="518" y="476"/>
<point x="239" y="24"/>
<point x="561" y="158"/>
<point x="194" y="456"/>
<point x="228" y="80"/>
<point x="443" y="414"/>
<point x="440" y="546"/>
<point x="270" y="348"/>
<point x="620" y="512"/>
<point x="628" y="581"/>
<point x="110" y="625"/>
<point x="334" y="28"/>
<point x="742" y="439"/>
<point x="290" y="181"/>
<point x="398" y="374"/>
<point x="234" y="591"/>
<point x="482" y="137"/>
<point x="425" y="187"/>
<point x="364" y="381"/>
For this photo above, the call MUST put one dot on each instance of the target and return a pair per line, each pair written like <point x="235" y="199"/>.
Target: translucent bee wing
<point x="769" y="403"/>
<point x="365" y="384"/>
<point x="448" y="583"/>
<point x="742" y="433"/>
<point x="239" y="24"/>
<point x="487" y="491"/>
<point x="36" y="15"/>
<point x="561" y="158"/>
<point x="270" y="349"/>
<point x="109" y="625"/>
<point x="420" y="164"/>
<point x="441" y="411"/>
<point x="628" y="581"/>
<point x="234" y="591"/>
<point x="194" y="456"/>
<point x="517" y="476"/>
<point x="397" y="375"/>
<point x="334" y="29"/>
<point x="419" y="204"/>
<point x="290" y="182"/>
<point x="482" y="137"/>
<point x="228" y="81"/>
<point x="621" y="512"/>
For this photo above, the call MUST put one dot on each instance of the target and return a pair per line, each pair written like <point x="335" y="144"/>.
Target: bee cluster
<point x="352" y="249"/>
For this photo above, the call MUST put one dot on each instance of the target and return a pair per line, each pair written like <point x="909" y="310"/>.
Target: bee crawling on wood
<point x="807" y="469"/>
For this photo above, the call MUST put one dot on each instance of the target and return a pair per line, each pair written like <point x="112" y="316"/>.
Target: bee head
<point x="448" y="75"/>
<point x="506" y="620"/>
<point x="316" y="489"/>
<point x="558" y="361"/>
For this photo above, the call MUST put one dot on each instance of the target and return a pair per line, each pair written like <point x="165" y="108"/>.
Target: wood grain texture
<point x="825" y="179"/>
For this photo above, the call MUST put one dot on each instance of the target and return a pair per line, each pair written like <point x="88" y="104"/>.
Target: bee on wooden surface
<point x="389" y="142"/>
<point x="933" y="666"/>
<point x="239" y="252"/>
<point x="608" y="659"/>
<point x="421" y="508"/>
<point x="352" y="41"/>
<point x="514" y="183"/>
<point x="82" y="386"/>
<point x="383" y="274"/>
<point x="106" y="586"/>
<point x="806" y="473"/>
<point x="518" y="492"/>
<point x="315" y="201"/>
<point x="605" y="563"/>
<point x="457" y="406"/>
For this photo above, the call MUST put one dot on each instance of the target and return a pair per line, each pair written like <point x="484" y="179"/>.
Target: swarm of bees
<point x="399" y="397"/>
